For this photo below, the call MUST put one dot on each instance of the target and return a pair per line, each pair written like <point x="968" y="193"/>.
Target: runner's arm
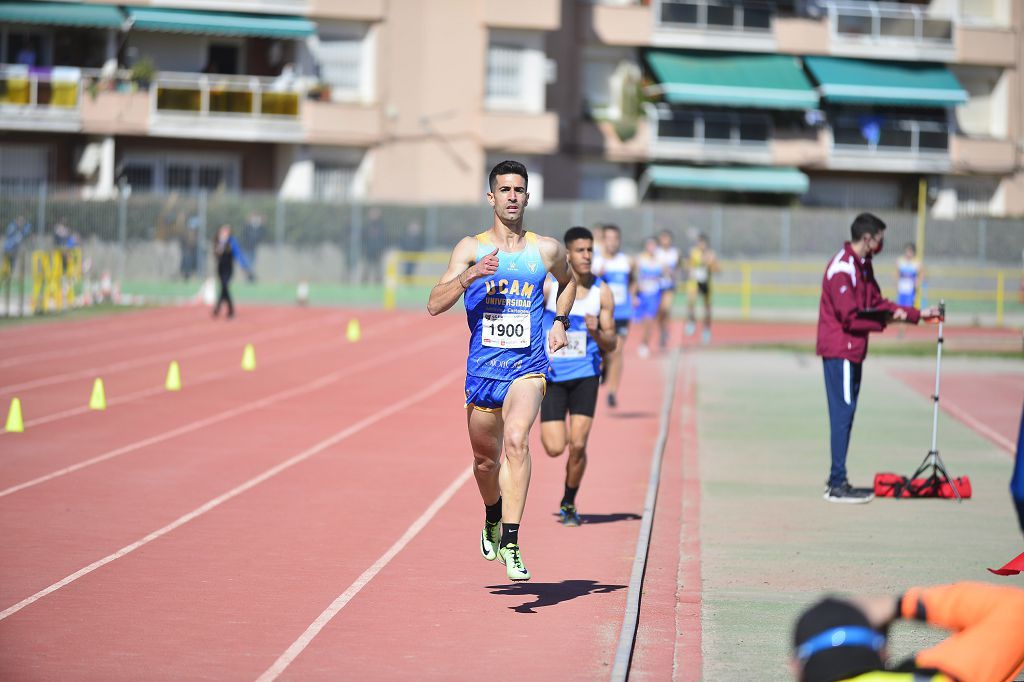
<point x="461" y="272"/>
<point x="605" y="335"/>
<point x="554" y="256"/>
<point x="988" y="621"/>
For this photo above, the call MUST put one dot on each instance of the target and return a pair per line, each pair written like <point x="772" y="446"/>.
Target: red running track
<point x="314" y="519"/>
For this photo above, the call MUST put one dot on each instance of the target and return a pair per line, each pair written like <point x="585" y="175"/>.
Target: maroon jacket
<point x="849" y="285"/>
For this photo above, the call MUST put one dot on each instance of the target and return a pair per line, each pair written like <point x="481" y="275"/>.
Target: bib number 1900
<point x="506" y="330"/>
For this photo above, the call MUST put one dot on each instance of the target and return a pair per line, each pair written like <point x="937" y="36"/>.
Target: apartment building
<point x="377" y="100"/>
<point x="824" y="102"/>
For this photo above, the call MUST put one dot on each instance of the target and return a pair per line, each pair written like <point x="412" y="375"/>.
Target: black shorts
<point x="578" y="396"/>
<point x="622" y="327"/>
<point x="704" y="288"/>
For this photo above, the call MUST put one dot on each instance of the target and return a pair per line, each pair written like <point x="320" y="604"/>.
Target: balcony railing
<point x="883" y="22"/>
<point x="34" y="89"/>
<point x="754" y="16"/>
<point x="226" y="96"/>
<point x="906" y="137"/>
<point x="734" y="130"/>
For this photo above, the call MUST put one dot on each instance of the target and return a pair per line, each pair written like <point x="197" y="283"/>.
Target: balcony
<point x="986" y="46"/>
<point x="889" y="30"/>
<point x="534" y="15"/>
<point x="889" y="145"/>
<point x="216" y="107"/>
<point x="40" y="99"/>
<point x="521" y="133"/>
<point x="714" y="24"/>
<point x="983" y="155"/>
<point x="710" y="137"/>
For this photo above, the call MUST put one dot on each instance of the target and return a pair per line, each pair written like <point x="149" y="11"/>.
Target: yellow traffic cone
<point x="249" y="358"/>
<point x="98" y="400"/>
<point x="352" y="333"/>
<point x="173" y="382"/>
<point x="14" y="422"/>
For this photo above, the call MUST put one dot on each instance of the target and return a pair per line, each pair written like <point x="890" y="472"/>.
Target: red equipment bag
<point x="894" y="485"/>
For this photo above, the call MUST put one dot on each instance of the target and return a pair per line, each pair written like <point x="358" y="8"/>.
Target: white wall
<point x="986" y="112"/>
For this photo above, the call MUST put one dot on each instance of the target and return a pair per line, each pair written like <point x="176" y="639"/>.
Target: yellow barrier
<point x="393" y="279"/>
<point x="55" y="275"/>
<point x="991" y="282"/>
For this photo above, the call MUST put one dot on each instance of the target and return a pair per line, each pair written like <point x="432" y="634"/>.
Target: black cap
<point x="838" y="663"/>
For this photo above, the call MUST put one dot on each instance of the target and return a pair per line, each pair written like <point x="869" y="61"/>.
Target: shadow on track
<point x="632" y="415"/>
<point x="586" y="519"/>
<point x="550" y="594"/>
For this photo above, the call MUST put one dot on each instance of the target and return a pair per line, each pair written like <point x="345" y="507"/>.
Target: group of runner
<point x="548" y="321"/>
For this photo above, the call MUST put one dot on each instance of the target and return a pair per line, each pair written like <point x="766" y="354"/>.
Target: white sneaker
<point x="643" y="351"/>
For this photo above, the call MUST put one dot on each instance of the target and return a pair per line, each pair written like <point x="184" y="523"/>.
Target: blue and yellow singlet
<point x="505" y="313"/>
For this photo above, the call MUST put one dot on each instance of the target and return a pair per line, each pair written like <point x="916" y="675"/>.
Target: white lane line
<point x="79" y="349"/>
<point x="236" y="491"/>
<point x="166" y="356"/>
<point x="325" y="380"/>
<point x="304" y="640"/>
<point x="631" y="618"/>
<point x="206" y="378"/>
<point x="982" y="428"/>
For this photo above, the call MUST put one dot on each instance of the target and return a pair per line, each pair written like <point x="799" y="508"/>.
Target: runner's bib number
<point x="576" y="348"/>
<point x="506" y="330"/>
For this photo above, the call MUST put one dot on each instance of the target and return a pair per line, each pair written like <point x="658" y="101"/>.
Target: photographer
<point x="838" y="639"/>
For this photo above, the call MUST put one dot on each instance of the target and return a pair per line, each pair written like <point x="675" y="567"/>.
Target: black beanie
<point x="840" y="663"/>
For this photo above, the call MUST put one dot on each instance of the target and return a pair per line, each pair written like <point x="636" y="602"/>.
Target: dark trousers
<point x="842" y="385"/>
<point x="225" y="294"/>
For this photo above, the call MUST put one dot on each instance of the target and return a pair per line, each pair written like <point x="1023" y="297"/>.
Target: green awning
<point x="219" y="23"/>
<point x="732" y="179"/>
<point x="762" y="81"/>
<point x="857" y="81"/>
<point x="61" y="14"/>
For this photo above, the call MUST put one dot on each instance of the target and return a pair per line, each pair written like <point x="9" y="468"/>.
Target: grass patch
<point x="911" y="349"/>
<point x="85" y="313"/>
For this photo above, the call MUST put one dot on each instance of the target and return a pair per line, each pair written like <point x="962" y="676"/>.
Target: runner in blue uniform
<point x="619" y="272"/>
<point x="574" y="372"/>
<point x="650" y="272"/>
<point x="501" y="272"/>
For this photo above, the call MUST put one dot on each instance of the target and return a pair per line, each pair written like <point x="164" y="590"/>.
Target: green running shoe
<point x="568" y="516"/>
<point x="514" y="569"/>
<point x="489" y="538"/>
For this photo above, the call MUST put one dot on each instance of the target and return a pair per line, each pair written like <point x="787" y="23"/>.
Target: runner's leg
<point x="519" y="412"/>
<point x="485" y="438"/>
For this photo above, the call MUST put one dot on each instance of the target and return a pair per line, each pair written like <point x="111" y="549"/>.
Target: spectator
<point x="412" y="241"/>
<point x="17" y="231"/>
<point x="374" y="242"/>
<point x="837" y="639"/>
<point x="226" y="250"/>
<point x="252" y="235"/>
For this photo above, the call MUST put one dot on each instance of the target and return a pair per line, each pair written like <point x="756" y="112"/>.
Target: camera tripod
<point x="939" y="474"/>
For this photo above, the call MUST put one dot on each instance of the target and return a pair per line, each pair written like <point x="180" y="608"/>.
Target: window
<point x="516" y="71"/>
<point x="504" y="72"/>
<point x="714" y="127"/>
<point x="333" y="182"/>
<point x="343" y="56"/>
<point x="23" y="168"/>
<point x="717" y="15"/>
<point x="176" y="172"/>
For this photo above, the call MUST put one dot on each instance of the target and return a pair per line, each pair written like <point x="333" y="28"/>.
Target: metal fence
<point x="168" y="237"/>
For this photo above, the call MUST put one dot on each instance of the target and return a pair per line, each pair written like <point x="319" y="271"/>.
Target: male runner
<point x="702" y="263"/>
<point x="620" y="274"/>
<point x="574" y="371"/>
<point x="650" y="271"/>
<point x="501" y="273"/>
<point x="668" y="254"/>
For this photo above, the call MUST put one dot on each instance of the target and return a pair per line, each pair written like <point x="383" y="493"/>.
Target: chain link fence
<point x="163" y="242"/>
